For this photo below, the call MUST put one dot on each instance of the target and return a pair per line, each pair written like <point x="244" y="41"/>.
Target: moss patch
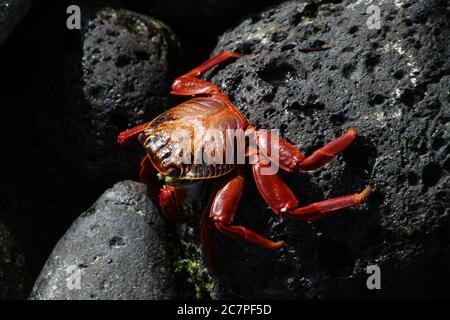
<point x="88" y="212"/>
<point x="133" y="28"/>
<point x="189" y="274"/>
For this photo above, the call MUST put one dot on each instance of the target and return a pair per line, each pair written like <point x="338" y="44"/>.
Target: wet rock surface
<point x="11" y="13"/>
<point x="120" y="248"/>
<point x="392" y="84"/>
<point x="14" y="277"/>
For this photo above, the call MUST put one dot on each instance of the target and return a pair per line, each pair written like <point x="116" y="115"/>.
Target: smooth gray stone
<point x="120" y="247"/>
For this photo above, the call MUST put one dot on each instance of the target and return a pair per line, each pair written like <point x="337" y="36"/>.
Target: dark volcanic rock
<point x="392" y="84"/>
<point x="11" y="13"/>
<point x="128" y="63"/>
<point x="120" y="247"/>
<point x="14" y="278"/>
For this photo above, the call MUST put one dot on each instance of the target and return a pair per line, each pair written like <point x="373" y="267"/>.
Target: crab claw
<point x="171" y="201"/>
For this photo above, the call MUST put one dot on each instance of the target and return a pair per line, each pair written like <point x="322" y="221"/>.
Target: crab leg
<point x="223" y="209"/>
<point x="147" y="175"/>
<point x="324" y="155"/>
<point x="125" y="138"/>
<point x="206" y="232"/>
<point x="322" y="208"/>
<point x="171" y="198"/>
<point x="189" y="84"/>
<point x="146" y="172"/>
<point x="282" y="153"/>
<point x="289" y="158"/>
<point x="241" y="233"/>
<point x="211" y="63"/>
<point x="281" y="200"/>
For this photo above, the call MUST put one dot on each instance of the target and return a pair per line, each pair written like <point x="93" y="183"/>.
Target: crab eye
<point x="141" y="138"/>
<point x="174" y="171"/>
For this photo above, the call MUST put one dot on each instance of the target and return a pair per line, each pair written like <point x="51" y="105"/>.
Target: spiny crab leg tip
<point x="279" y="244"/>
<point x="120" y="140"/>
<point x="233" y="54"/>
<point x="365" y="193"/>
<point x="352" y="130"/>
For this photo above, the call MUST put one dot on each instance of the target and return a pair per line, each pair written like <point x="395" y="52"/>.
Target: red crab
<point x="215" y="110"/>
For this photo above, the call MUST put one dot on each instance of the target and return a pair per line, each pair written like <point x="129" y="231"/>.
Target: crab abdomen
<point x="195" y="138"/>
